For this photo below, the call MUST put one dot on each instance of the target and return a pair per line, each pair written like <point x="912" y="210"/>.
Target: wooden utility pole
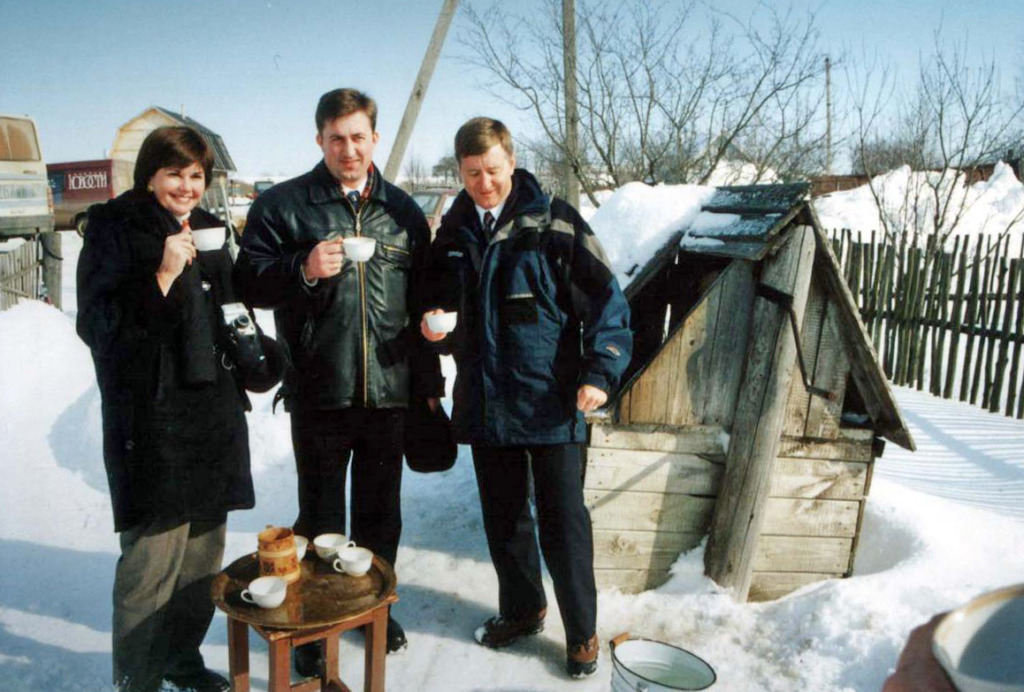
<point x="760" y="413"/>
<point x="828" y="115"/>
<point x="572" y="150"/>
<point x="419" y="89"/>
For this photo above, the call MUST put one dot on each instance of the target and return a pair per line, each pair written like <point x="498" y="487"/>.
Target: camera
<point x="243" y="341"/>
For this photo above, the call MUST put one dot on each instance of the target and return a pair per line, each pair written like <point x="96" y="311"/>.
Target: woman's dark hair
<point x="172" y="146"/>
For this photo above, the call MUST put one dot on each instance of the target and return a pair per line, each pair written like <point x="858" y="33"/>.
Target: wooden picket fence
<point x="19" y="274"/>
<point x="948" y="321"/>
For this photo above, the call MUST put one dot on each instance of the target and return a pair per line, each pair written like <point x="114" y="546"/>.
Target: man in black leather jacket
<point x="354" y="359"/>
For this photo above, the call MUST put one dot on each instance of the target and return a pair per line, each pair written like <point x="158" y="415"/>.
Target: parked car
<point x="26" y="203"/>
<point x="434" y="203"/>
<point x="77" y="185"/>
<point x="261" y="186"/>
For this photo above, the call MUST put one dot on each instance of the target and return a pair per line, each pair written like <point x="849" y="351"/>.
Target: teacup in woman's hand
<point x="207" y="239"/>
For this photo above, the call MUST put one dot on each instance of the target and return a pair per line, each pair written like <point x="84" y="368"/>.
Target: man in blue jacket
<point x="542" y="338"/>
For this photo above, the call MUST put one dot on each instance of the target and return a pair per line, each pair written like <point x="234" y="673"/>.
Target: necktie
<point x="185" y="225"/>
<point x="488" y="222"/>
<point x="354" y="199"/>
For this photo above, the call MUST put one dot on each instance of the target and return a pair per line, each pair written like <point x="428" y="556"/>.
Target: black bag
<point x="429" y="446"/>
<point x="268" y="374"/>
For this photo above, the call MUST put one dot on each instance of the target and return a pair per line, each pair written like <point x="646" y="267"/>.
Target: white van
<point x="26" y="202"/>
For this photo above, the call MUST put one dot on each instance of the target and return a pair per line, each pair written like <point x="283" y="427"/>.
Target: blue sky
<point x="252" y="70"/>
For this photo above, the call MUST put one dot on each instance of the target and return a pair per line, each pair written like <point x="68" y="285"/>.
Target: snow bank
<point x="907" y="201"/>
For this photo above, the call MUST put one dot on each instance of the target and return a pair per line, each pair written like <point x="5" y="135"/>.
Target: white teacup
<point x="327" y="545"/>
<point x="442" y="322"/>
<point x="301" y="543"/>
<point x="266" y="592"/>
<point x="354" y="560"/>
<point x="206" y="239"/>
<point x="978" y="644"/>
<point x="359" y="249"/>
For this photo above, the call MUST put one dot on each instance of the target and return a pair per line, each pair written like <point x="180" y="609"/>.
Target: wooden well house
<point x="752" y="412"/>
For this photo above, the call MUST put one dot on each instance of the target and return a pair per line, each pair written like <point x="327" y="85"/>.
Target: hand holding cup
<point x="179" y="251"/>
<point x="325" y="260"/>
<point x="436" y="324"/>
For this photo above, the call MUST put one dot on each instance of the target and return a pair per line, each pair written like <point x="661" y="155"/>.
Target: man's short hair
<point x="341" y="102"/>
<point x="171" y="146"/>
<point x="478" y="135"/>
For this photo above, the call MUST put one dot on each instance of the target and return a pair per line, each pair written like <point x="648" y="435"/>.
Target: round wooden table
<point x="319" y="606"/>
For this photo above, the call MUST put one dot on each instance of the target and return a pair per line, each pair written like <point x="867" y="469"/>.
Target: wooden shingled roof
<point x="221" y="158"/>
<point x="749" y="222"/>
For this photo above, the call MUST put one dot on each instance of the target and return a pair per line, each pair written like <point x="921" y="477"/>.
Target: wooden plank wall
<point x="822" y="470"/>
<point x="826" y="358"/>
<point x="814" y="513"/>
<point x="694" y="379"/>
<point x="650" y="491"/>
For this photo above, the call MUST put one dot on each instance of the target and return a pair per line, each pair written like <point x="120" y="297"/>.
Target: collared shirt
<point x="364" y="191"/>
<point x="495" y="212"/>
<point x="345" y="190"/>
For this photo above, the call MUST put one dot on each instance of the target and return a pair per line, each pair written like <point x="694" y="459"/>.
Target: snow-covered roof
<point x="744" y="223"/>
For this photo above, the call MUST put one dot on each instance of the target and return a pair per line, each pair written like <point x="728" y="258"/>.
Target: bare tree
<point x="956" y="121"/>
<point x="415" y="172"/>
<point x="666" y="92"/>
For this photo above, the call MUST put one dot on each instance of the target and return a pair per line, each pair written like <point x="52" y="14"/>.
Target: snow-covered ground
<point x="941" y="526"/>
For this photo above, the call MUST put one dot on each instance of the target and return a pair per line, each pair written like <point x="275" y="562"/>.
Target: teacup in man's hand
<point x="428" y="334"/>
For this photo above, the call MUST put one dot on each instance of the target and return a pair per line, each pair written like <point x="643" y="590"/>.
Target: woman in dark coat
<point x="175" y="442"/>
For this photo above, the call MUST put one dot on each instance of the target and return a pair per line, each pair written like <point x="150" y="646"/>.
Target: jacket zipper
<point x="482" y="337"/>
<point x="362" y="300"/>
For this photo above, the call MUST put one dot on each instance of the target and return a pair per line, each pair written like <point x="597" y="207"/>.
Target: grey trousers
<point x="162" y="605"/>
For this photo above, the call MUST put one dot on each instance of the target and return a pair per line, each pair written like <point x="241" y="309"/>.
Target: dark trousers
<point x="162" y="605"/>
<point x="566" y="539"/>
<point x="324" y="441"/>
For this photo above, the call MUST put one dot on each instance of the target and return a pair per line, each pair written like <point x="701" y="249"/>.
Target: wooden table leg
<point x="376" y="650"/>
<point x="238" y="655"/>
<point x="331" y="673"/>
<point x="280" y="665"/>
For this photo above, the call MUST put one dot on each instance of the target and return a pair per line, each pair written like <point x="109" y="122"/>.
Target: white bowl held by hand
<point x="266" y="592"/>
<point x="359" y="249"/>
<point x="980" y="644"/>
<point x="443" y="322"/>
<point x="207" y="239"/>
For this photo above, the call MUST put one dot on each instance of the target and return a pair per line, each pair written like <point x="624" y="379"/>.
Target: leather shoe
<point x="396" y="636"/>
<point x="581" y="660"/>
<point x="204" y="681"/>
<point x="308" y="660"/>
<point x="501" y="631"/>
